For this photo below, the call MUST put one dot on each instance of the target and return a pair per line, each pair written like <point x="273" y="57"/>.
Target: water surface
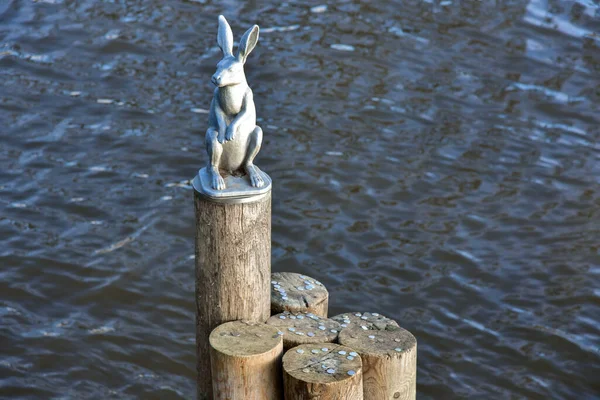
<point x="436" y="162"/>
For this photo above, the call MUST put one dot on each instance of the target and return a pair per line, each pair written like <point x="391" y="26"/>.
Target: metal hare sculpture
<point x="233" y="139"/>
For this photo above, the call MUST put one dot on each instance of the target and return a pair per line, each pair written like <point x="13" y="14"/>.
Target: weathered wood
<point x="389" y="359"/>
<point x="304" y="328"/>
<point x="323" y="371"/>
<point x="233" y="271"/>
<point x="246" y="361"/>
<point x="298" y="293"/>
<point x="369" y="320"/>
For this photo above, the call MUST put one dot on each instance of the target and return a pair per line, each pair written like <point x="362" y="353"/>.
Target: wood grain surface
<point x="246" y="361"/>
<point x="389" y="358"/>
<point x="298" y="293"/>
<point x="233" y="271"/>
<point x="324" y="371"/>
<point x="303" y="328"/>
<point x="370" y="320"/>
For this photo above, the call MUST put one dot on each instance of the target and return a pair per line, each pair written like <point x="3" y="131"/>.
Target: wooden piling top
<point x="369" y="320"/>
<point x="391" y="342"/>
<point x="302" y="328"/>
<point x="389" y="357"/>
<point x="296" y="292"/>
<point x="322" y="363"/>
<point x="244" y="338"/>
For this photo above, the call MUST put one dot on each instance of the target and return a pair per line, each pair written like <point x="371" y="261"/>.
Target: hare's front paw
<point x="230" y="134"/>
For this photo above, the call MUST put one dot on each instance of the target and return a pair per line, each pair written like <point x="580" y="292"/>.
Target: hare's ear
<point x="225" y="37"/>
<point x="247" y="43"/>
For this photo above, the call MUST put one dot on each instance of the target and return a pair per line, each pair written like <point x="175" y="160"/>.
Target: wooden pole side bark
<point x="389" y="360"/>
<point x="324" y="371"/>
<point x="298" y="293"/>
<point x="233" y="271"/>
<point x="246" y="361"/>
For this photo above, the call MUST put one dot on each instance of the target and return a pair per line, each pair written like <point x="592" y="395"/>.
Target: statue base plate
<point x="237" y="188"/>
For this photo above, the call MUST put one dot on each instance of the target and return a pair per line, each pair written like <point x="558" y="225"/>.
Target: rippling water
<point x="436" y="161"/>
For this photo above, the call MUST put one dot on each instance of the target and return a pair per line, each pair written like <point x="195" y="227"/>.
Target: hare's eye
<point x="230" y="69"/>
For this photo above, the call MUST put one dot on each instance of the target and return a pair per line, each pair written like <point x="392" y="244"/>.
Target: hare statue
<point x="233" y="139"/>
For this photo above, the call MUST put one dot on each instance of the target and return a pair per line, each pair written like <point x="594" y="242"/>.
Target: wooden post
<point x="304" y="328"/>
<point x="298" y="293"/>
<point x="322" y="372"/>
<point x="246" y="361"/>
<point x="233" y="269"/>
<point x="369" y="320"/>
<point x="389" y="359"/>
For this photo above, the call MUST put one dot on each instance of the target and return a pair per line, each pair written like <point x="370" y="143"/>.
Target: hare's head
<point x="230" y="70"/>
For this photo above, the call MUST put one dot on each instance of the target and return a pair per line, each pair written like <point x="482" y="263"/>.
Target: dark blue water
<point x="436" y="162"/>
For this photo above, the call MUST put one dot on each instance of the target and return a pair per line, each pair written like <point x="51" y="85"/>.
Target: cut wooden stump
<point x="304" y="328"/>
<point x="389" y="358"/>
<point x="233" y="268"/>
<point x="298" y="293"/>
<point x="245" y="360"/>
<point x="323" y="371"/>
<point x="369" y="320"/>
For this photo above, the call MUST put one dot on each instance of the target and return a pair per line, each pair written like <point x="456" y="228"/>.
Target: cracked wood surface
<point x="389" y="355"/>
<point x="322" y="371"/>
<point x="233" y="271"/>
<point x="302" y="328"/>
<point x="366" y="319"/>
<point x="246" y="361"/>
<point x="298" y="293"/>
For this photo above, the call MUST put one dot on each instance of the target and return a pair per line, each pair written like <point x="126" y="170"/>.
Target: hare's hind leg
<point x="214" y="150"/>
<point x="254" y="143"/>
